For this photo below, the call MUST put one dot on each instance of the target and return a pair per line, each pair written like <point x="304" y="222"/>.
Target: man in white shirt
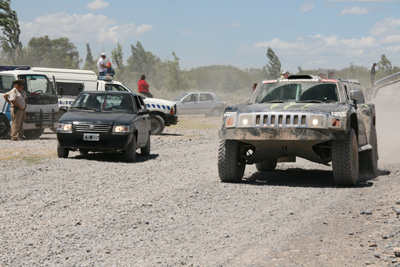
<point x="101" y="64"/>
<point x="17" y="99"/>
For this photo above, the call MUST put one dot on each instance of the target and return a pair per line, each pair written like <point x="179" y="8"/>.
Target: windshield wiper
<point x="310" y="101"/>
<point x="85" y="108"/>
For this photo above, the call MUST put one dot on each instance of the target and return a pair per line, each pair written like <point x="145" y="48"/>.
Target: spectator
<point x="143" y="87"/>
<point x="285" y="75"/>
<point x="109" y="71"/>
<point x="373" y="72"/>
<point x="101" y="64"/>
<point x="16" y="97"/>
<point x="254" y="86"/>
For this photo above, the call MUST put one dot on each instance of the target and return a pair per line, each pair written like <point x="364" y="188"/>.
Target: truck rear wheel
<point x="345" y="160"/>
<point x="157" y="124"/>
<point x="369" y="159"/>
<point x="230" y="165"/>
<point x="266" y="166"/>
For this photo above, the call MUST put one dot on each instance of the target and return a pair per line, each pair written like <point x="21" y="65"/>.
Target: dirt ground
<point x="170" y="209"/>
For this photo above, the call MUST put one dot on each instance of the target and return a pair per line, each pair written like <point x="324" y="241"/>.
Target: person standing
<point x="16" y="97"/>
<point x="143" y="87"/>
<point x="101" y="64"/>
<point x="373" y="72"/>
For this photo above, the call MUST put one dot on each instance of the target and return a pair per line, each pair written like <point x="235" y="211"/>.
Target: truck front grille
<point x="281" y="120"/>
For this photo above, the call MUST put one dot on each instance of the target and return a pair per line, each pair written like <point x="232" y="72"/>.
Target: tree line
<point x="165" y="77"/>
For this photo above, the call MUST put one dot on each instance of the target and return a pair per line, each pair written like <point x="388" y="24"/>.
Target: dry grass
<point x="197" y="123"/>
<point x="29" y="156"/>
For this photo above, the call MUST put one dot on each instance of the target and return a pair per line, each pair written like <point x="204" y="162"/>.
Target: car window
<point x="6" y="83"/>
<point x="191" y="98"/>
<point x="206" y="97"/>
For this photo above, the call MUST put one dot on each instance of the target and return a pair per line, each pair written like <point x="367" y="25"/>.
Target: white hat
<point x="103" y="54"/>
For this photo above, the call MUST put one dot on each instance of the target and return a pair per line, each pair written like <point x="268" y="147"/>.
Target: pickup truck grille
<point x="87" y="127"/>
<point x="276" y="120"/>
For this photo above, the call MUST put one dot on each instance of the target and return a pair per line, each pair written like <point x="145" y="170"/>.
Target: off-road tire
<point x="157" y="124"/>
<point x="130" y="151"/>
<point x="369" y="159"/>
<point x="345" y="160"/>
<point x="266" y="166"/>
<point x="4" y="126"/>
<point x="146" y="150"/>
<point x="62" y="152"/>
<point x="230" y="166"/>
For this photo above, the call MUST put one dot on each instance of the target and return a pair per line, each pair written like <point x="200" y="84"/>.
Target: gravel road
<point x="170" y="209"/>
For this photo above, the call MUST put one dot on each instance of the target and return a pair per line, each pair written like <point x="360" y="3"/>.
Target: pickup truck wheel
<point x="266" y="166"/>
<point x="130" y="152"/>
<point x="230" y="166"/>
<point x="62" y="152"/>
<point x="157" y="124"/>
<point x="4" y="126"/>
<point x="345" y="160"/>
<point x="33" y="134"/>
<point x="369" y="159"/>
<point x="146" y="150"/>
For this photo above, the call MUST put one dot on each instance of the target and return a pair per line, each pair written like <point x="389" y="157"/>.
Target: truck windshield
<point x="297" y="92"/>
<point x="37" y="85"/>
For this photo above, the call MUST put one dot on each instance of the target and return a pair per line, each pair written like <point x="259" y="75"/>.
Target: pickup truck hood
<point x="158" y="101"/>
<point x="98" y="117"/>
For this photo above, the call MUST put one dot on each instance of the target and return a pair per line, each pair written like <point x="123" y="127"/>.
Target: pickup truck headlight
<point x="316" y="121"/>
<point x="64" y="127"/>
<point x="121" y="129"/>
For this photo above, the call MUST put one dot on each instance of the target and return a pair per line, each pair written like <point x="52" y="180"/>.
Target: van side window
<point x="6" y="83"/>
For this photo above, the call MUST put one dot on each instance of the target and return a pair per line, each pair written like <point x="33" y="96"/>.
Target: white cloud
<point x="97" y="4"/>
<point x="306" y="6"/>
<point x="81" y="28"/>
<point x="233" y="25"/>
<point x="388" y="26"/>
<point x="355" y="10"/>
<point x="390" y="39"/>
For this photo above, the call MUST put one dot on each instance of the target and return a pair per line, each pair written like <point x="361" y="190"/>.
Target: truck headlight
<point x="64" y="127"/>
<point x="316" y="121"/>
<point x="121" y="129"/>
<point x="246" y="120"/>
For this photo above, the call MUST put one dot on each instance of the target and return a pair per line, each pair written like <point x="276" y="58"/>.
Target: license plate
<point x="91" y="137"/>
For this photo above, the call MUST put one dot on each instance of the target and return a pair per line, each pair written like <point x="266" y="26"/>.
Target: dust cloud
<point x="387" y="104"/>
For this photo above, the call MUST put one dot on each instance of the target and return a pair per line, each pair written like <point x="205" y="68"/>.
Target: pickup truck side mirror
<point x="354" y="95"/>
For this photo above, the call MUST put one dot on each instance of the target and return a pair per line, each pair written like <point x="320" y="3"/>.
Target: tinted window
<point x="72" y="89"/>
<point x="206" y="97"/>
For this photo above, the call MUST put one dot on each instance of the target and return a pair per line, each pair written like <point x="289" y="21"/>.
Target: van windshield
<point x="37" y="85"/>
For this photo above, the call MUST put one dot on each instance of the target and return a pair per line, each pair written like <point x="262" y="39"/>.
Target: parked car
<point x="105" y="121"/>
<point x="199" y="103"/>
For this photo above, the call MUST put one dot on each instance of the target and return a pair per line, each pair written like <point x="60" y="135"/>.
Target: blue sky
<point x="310" y="34"/>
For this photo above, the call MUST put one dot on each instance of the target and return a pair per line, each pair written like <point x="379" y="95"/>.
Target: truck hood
<point x="289" y="107"/>
<point x="98" y="117"/>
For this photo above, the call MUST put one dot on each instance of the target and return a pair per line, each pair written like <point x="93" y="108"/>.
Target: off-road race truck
<point x="321" y="120"/>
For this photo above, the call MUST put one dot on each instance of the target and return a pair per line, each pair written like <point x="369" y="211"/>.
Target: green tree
<point x="117" y="57"/>
<point x="385" y="65"/>
<point x="90" y="63"/>
<point x="273" y="68"/>
<point x="56" y="53"/>
<point x="175" y="80"/>
<point x="10" y="43"/>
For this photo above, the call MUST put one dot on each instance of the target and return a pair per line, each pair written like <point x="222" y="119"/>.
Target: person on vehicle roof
<point x="143" y="87"/>
<point x="101" y="64"/>
<point x="285" y="74"/>
<point x="109" y="71"/>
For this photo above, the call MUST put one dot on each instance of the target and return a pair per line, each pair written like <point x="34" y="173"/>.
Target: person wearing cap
<point x="109" y="71"/>
<point x="16" y="97"/>
<point x="143" y="87"/>
<point x="285" y="75"/>
<point x="101" y="64"/>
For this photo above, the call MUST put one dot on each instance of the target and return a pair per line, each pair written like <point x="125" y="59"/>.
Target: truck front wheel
<point x="345" y="160"/>
<point x="230" y="164"/>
